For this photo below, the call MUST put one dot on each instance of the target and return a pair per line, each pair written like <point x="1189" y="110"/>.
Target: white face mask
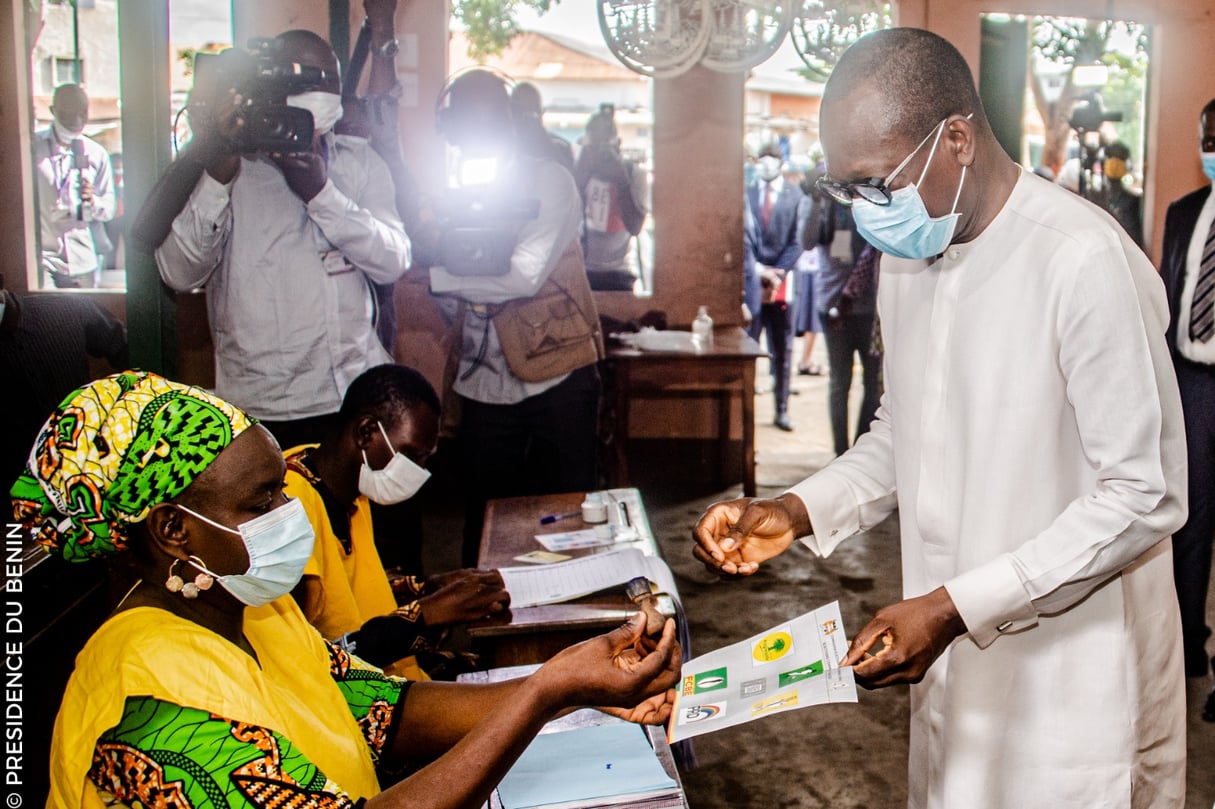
<point x="769" y="168"/>
<point x="64" y="134"/>
<point x="398" y="481"/>
<point x="326" y="108"/>
<point x="279" y="544"/>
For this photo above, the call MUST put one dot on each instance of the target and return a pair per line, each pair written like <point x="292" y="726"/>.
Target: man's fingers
<point x="864" y="641"/>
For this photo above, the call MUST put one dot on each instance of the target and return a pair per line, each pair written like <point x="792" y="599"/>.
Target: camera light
<point x="1094" y="75"/>
<point x="478" y="171"/>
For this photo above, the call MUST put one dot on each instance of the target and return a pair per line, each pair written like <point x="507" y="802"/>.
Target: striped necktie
<point x="1202" y="307"/>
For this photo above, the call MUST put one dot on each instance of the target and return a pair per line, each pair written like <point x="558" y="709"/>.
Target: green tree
<point x="490" y="25"/>
<point x="1058" y="41"/>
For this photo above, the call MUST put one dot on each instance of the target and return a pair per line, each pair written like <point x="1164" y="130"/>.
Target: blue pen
<point x="552" y="518"/>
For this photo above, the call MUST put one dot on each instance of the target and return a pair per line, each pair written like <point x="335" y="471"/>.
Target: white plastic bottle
<point x="702" y="330"/>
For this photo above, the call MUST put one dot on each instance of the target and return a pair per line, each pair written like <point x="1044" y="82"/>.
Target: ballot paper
<point x="793" y="665"/>
<point x="582" y="538"/>
<point x="563" y="581"/>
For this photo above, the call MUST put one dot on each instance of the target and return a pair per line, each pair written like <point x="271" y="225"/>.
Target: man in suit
<point x="774" y="209"/>
<point x="1189" y="278"/>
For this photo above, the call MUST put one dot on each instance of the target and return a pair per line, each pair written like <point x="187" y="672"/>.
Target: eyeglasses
<point x="871" y="189"/>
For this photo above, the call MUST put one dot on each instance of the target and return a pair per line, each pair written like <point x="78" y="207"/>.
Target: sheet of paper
<point x="793" y="665"/>
<point x="591" y="762"/>
<point x="552" y="584"/>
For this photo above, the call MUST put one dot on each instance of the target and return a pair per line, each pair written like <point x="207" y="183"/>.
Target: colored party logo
<point x="772" y="646"/>
<point x="712" y="680"/>
<point x="804" y="673"/>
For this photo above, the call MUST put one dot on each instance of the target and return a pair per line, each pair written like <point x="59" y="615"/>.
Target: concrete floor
<point x="839" y="756"/>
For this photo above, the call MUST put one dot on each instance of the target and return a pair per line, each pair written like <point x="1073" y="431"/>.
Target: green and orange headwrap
<point x="111" y="451"/>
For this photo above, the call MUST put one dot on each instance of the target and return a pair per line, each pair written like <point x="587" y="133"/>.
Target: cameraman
<point x="287" y="244"/>
<point x="614" y="192"/>
<point x="528" y="333"/>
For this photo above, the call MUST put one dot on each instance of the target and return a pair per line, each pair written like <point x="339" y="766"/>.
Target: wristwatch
<point x="389" y="49"/>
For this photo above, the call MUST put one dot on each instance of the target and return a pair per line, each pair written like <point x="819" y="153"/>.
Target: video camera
<point x="261" y="81"/>
<point x="1088" y="115"/>
<point x="478" y="229"/>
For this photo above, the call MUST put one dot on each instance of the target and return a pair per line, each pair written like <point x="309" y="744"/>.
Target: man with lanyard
<point x="287" y="246"/>
<point x="75" y="191"/>
<point x="528" y="334"/>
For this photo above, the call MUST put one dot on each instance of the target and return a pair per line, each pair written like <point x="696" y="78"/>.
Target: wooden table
<point x="534" y="634"/>
<point x="722" y="372"/>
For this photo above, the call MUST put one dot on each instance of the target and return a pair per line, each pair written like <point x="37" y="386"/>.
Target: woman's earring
<point x="202" y="581"/>
<point x="175" y="583"/>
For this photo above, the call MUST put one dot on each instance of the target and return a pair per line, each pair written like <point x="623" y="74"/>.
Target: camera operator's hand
<point x="305" y="172"/>
<point x="380" y="14"/>
<point x="219" y="132"/>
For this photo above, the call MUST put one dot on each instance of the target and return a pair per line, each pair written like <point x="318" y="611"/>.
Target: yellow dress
<point x="289" y="707"/>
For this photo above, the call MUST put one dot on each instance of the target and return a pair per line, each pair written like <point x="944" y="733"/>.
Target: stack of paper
<point x="564" y="581"/>
<point x="589" y="768"/>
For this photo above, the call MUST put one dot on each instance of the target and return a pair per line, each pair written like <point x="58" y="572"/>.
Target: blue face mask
<point x="279" y="544"/>
<point x="1208" y="165"/>
<point x="904" y="228"/>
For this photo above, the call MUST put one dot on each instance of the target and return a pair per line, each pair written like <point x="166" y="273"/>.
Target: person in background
<point x="386" y="431"/>
<point x="817" y="233"/>
<point x="1037" y="464"/>
<point x="1122" y="202"/>
<point x="533" y="140"/>
<point x="772" y="220"/>
<point x="846" y="294"/>
<point x="45" y="344"/>
<point x="206" y="686"/>
<point x="615" y="199"/>
<point x="1188" y="270"/>
<point x="528" y="334"/>
<point x="75" y="191"/>
<point x="287" y="245"/>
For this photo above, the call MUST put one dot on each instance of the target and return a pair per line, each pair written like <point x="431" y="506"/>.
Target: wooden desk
<point x="722" y="372"/>
<point x="534" y="634"/>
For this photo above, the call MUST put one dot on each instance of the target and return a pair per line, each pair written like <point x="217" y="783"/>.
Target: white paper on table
<point x="563" y="581"/>
<point x="793" y="665"/>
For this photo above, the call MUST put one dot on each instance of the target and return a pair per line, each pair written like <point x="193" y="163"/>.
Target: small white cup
<point x="594" y="510"/>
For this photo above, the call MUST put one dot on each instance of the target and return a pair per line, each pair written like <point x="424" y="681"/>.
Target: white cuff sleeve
<point x="992" y="600"/>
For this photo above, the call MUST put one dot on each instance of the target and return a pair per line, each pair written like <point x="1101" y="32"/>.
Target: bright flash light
<point x="1090" y="75"/>
<point x="478" y="171"/>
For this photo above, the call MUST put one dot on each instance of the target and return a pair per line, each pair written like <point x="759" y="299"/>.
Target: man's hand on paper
<point x="904" y="639"/>
<point x="462" y="596"/>
<point x="734" y="537"/>
<point x="609" y="671"/>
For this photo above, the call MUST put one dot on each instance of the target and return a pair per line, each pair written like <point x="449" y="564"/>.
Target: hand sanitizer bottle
<point x="702" y="330"/>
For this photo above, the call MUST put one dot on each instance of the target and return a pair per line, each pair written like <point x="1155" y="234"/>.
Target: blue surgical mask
<point x="1208" y="165"/>
<point x="279" y="544"/>
<point x="904" y="228"/>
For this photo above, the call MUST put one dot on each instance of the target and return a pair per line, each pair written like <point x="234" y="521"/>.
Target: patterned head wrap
<point x="111" y="451"/>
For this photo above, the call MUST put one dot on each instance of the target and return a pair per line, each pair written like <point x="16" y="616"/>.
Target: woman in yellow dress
<point x="207" y="687"/>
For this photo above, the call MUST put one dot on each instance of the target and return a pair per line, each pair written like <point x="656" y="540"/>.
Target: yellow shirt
<point x="146" y="651"/>
<point x="353" y="586"/>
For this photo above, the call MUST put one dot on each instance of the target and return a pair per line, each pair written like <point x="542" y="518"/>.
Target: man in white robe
<point x="1031" y="437"/>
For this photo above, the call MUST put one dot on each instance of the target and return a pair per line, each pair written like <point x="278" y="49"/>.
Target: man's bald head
<point x="919" y="77"/>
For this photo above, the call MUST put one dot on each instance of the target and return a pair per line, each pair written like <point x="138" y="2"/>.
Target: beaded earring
<point x="188" y="589"/>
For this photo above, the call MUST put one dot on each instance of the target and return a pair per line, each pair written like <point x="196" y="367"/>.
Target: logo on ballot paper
<point x="772" y="646"/>
<point x="779" y="702"/>
<point x="712" y="680"/>
<point x="700" y="713"/>
<point x="829" y="627"/>
<point x="753" y="688"/>
<point x="804" y="673"/>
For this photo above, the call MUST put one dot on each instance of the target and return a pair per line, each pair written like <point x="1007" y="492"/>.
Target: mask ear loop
<point x="961" y="182"/>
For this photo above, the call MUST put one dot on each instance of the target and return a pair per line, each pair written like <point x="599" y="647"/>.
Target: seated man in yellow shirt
<point x="385" y="432"/>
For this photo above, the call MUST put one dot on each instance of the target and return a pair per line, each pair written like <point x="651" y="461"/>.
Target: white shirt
<point x="67" y="242"/>
<point x="1196" y="352"/>
<point x="290" y="306"/>
<point x="483" y="374"/>
<point x="1031" y="437"/>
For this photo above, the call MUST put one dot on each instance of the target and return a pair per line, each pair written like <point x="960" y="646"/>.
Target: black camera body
<point x="1089" y="115"/>
<point x="261" y="81"/>
<point x="478" y="230"/>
